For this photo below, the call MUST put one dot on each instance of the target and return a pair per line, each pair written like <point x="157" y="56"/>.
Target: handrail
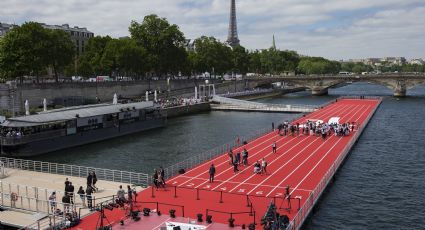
<point x="75" y="170"/>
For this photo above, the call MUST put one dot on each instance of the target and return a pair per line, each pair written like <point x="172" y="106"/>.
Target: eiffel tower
<point x="232" y="38"/>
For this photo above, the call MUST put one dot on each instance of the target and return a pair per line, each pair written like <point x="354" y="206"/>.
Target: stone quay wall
<point x="13" y="96"/>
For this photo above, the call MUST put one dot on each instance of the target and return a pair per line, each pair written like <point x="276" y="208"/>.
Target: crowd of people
<point x="317" y="128"/>
<point x="177" y="102"/>
<point x="68" y="199"/>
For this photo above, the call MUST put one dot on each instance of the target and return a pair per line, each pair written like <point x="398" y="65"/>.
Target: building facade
<point x="4" y="28"/>
<point x="79" y="36"/>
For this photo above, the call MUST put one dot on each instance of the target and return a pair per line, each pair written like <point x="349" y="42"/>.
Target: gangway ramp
<point x="231" y="104"/>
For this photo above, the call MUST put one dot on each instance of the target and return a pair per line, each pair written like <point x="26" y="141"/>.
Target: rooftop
<point x="72" y="112"/>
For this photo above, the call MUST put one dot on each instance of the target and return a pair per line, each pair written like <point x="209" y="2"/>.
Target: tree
<point x="240" y="59"/>
<point x="89" y="63"/>
<point x="61" y="50"/>
<point x="318" y="65"/>
<point x="212" y="54"/>
<point x="24" y="51"/>
<point x="163" y="42"/>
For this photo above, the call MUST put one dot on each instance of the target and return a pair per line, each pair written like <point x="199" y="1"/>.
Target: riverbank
<point x="183" y="110"/>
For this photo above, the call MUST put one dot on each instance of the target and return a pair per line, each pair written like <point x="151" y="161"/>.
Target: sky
<point x="335" y="29"/>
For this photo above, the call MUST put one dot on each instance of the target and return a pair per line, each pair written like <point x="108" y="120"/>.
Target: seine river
<point x="380" y="186"/>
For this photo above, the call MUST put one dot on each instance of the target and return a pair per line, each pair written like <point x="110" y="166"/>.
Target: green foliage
<point x="318" y="65"/>
<point x="29" y="49"/>
<point x="355" y="67"/>
<point x="163" y="42"/>
<point x="211" y="54"/>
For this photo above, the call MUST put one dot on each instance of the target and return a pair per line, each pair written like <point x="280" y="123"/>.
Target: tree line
<point x="155" y="48"/>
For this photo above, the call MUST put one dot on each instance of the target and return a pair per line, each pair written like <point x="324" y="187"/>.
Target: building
<point x="4" y="28"/>
<point x="394" y="60"/>
<point x="189" y="45"/>
<point x="79" y="36"/>
<point x="417" y="61"/>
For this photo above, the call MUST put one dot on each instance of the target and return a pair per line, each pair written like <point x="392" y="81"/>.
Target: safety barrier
<point x="77" y="171"/>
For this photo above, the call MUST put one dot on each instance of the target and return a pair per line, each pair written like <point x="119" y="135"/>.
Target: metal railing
<point x="267" y="108"/>
<point x="246" y="93"/>
<point x="32" y="137"/>
<point x="314" y="196"/>
<point x="232" y="101"/>
<point x="140" y="179"/>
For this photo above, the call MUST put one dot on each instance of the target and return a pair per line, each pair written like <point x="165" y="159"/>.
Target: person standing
<point x="129" y="194"/>
<point x="272" y="126"/>
<point x="155" y="178"/>
<point x="245" y="157"/>
<point x="235" y="166"/>
<point x="90" y="181"/>
<point x="94" y="181"/>
<point x="82" y="195"/>
<point x="89" y="192"/>
<point x="121" y="196"/>
<point x="66" y="184"/>
<point x="238" y="158"/>
<point x="52" y="201"/>
<point x="212" y="173"/>
<point x="71" y="192"/>
<point x="274" y="147"/>
<point x="264" y="166"/>
<point x="230" y="154"/>
<point x="162" y="175"/>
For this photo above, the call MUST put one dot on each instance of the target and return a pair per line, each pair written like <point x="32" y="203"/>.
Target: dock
<point x="231" y="104"/>
<point x="32" y="182"/>
<point x="297" y="174"/>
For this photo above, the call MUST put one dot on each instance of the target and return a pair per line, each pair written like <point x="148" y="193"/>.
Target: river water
<point x="380" y="186"/>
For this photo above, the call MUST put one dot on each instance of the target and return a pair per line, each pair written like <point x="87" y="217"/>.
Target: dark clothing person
<point x="162" y="175"/>
<point x="94" y="181"/>
<point x="66" y="184"/>
<point x="235" y="166"/>
<point x="155" y="179"/>
<point x="81" y="193"/>
<point x="238" y="158"/>
<point x="212" y="173"/>
<point x="89" y="192"/>
<point x="129" y="193"/>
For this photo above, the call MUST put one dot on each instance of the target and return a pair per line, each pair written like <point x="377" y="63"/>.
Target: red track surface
<point x="300" y="162"/>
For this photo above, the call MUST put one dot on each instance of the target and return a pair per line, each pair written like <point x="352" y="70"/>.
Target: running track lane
<point x="302" y="167"/>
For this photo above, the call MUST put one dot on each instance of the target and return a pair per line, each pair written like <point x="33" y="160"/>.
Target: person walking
<point x="264" y="166"/>
<point x="90" y="181"/>
<point x="212" y="173"/>
<point x="82" y="195"/>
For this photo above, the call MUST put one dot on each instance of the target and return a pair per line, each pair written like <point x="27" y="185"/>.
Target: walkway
<point x="243" y="105"/>
<point x="305" y="163"/>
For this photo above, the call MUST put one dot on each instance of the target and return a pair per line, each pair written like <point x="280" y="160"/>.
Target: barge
<point x="74" y="126"/>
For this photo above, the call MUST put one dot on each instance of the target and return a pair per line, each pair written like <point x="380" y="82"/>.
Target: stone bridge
<point x="319" y="84"/>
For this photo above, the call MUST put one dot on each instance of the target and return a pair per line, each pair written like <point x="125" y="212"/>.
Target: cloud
<point x="331" y="28"/>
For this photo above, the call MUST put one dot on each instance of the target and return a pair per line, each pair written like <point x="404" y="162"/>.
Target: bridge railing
<point x="314" y="196"/>
<point x="77" y="171"/>
<point x="288" y="108"/>
<point x="246" y="93"/>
